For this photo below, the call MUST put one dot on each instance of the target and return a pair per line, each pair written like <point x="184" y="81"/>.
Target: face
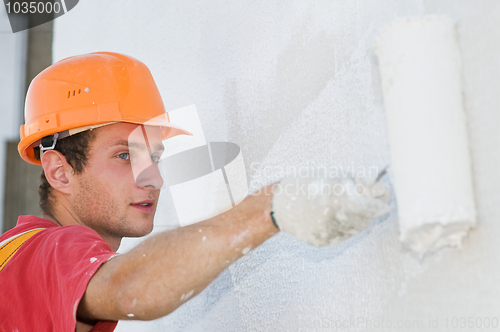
<point x="117" y="192"/>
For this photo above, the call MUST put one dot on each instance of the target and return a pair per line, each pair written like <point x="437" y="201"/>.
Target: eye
<point x="124" y="156"/>
<point x="155" y="159"/>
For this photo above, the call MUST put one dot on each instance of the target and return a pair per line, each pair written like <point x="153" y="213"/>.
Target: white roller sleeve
<point x="431" y="172"/>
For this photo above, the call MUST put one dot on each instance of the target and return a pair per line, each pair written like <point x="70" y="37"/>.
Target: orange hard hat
<point x="90" y="90"/>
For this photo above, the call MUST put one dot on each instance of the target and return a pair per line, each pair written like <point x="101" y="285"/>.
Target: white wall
<point x="295" y="83"/>
<point x="12" y="80"/>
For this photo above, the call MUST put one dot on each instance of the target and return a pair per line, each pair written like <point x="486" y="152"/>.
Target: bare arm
<point x="164" y="271"/>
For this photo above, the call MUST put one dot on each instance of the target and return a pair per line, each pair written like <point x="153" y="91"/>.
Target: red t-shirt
<point x="42" y="284"/>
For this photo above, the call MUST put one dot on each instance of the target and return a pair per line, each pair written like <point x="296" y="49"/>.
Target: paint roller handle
<point x="382" y="173"/>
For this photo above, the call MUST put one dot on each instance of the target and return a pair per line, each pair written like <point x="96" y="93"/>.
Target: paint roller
<point x="420" y="69"/>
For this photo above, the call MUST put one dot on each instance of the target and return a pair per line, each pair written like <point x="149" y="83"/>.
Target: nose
<point x="150" y="178"/>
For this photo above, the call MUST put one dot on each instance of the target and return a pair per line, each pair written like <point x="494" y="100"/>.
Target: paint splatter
<point x="185" y="297"/>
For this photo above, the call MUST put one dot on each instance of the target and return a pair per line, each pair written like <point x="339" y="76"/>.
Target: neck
<point x="62" y="216"/>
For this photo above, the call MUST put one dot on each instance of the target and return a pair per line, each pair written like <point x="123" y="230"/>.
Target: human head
<point x="107" y="195"/>
<point x="68" y="100"/>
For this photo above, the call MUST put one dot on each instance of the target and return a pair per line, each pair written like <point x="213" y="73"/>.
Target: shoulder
<point x="64" y="244"/>
<point x="56" y="248"/>
<point x="53" y="234"/>
<point x="49" y="274"/>
<point x="27" y="223"/>
<point x="74" y="233"/>
<point x="73" y="242"/>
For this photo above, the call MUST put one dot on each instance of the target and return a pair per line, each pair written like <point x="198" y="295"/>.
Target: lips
<point x="145" y="206"/>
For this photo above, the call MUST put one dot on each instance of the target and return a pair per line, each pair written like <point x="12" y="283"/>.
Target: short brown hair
<point x="76" y="149"/>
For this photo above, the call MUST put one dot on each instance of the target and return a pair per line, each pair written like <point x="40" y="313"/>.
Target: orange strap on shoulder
<point x="10" y="246"/>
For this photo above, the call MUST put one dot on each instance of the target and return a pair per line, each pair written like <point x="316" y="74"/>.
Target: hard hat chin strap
<point x="48" y="142"/>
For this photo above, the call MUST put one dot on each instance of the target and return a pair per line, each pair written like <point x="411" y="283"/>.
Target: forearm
<point x="167" y="269"/>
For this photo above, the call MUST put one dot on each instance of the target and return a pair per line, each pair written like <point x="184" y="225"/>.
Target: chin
<point x="139" y="228"/>
<point x="147" y="229"/>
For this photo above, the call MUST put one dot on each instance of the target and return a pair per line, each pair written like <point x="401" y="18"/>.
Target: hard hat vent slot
<point x="74" y="93"/>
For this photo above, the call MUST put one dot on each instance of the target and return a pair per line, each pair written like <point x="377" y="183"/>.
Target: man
<point x="80" y="114"/>
<point x="95" y="123"/>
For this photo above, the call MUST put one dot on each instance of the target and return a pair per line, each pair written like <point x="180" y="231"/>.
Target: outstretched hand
<point x="326" y="211"/>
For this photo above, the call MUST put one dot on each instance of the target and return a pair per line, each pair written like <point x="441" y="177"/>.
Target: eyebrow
<point x="135" y="145"/>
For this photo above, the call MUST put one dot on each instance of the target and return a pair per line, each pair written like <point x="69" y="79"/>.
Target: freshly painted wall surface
<point x="295" y="84"/>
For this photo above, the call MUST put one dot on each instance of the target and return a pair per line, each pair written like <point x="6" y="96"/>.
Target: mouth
<point x="145" y="206"/>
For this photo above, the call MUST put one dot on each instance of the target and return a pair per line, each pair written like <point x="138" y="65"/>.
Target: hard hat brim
<point x="168" y="130"/>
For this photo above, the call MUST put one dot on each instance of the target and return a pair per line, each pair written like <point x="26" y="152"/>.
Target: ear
<point x="57" y="171"/>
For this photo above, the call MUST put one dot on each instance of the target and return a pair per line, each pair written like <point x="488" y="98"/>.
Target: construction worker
<point x="89" y="122"/>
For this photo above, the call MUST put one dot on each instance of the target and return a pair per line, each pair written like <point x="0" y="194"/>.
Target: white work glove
<point x="327" y="211"/>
